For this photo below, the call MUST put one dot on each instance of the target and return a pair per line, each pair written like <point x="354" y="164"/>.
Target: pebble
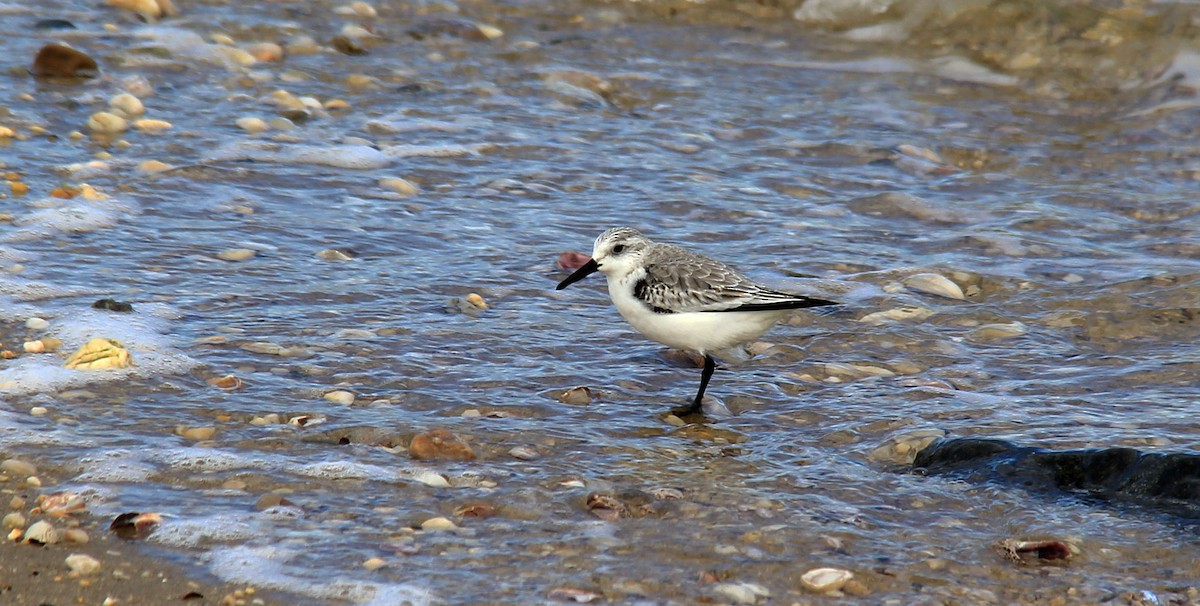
<point x="77" y="536"/>
<point x="150" y="10"/>
<point x="61" y="61"/>
<point x="82" y="564"/>
<point x="440" y="444"/>
<point x="401" y="186"/>
<point x="19" y="468"/>
<point x="39" y="411"/>
<point x="341" y="396"/>
<point x="152" y="126"/>
<point x="253" y="125"/>
<point x="988" y="332"/>
<point x="36" y="323"/>
<point x="198" y="434"/>
<point x="236" y="254"/>
<point x="228" y="382"/>
<point x="741" y="593"/>
<point x="106" y="123"/>
<point x="153" y="166"/>
<point x="438" y="523"/>
<point x="934" y="284"/>
<point x="127" y="104"/>
<point x="823" y="580"/>
<point x="266" y="51"/>
<point x="430" y="478"/>
<point x="524" y="453"/>
<point x="374" y="564"/>
<point x="899" y="314"/>
<point x="332" y="254"/>
<point x="13" y="520"/>
<point x="576" y="395"/>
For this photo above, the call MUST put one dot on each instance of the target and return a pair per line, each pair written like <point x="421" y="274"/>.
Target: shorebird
<point x="683" y="299"/>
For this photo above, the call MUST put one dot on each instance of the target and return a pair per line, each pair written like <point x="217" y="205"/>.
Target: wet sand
<point x="129" y="575"/>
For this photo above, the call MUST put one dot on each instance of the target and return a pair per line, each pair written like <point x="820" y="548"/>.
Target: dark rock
<point x="112" y="305"/>
<point x="61" y="61"/>
<point x="54" y="24"/>
<point x="1167" y="480"/>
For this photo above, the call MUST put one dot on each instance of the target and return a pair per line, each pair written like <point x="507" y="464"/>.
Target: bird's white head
<point x="616" y="253"/>
<point x="619" y="251"/>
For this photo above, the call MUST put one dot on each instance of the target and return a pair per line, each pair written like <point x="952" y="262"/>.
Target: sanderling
<point x="683" y="299"/>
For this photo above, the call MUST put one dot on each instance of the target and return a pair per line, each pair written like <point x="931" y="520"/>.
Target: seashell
<point x="41" y="532"/>
<point x="438" y="523"/>
<point x="988" y="332"/>
<point x="60" y="504"/>
<point x="934" y="284"/>
<point x="899" y="314"/>
<point x="823" y="580"/>
<point x="99" y="354"/>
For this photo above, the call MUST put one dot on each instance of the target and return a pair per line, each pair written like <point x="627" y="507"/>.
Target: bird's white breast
<point x="695" y="331"/>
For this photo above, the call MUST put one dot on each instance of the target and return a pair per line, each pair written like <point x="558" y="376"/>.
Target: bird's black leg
<point x="710" y="365"/>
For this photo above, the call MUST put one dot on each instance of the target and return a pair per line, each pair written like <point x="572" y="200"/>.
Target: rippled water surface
<point x="1042" y="157"/>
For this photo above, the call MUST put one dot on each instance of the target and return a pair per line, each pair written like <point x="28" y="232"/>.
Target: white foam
<point x="342" y="470"/>
<point x="196" y="533"/>
<point x="114" y="466"/>
<point x="360" y="157"/>
<point x="30" y="290"/>
<point x="435" y="151"/>
<point x="153" y="353"/>
<point x="76" y="215"/>
<point x="196" y="460"/>
<point x="265" y="567"/>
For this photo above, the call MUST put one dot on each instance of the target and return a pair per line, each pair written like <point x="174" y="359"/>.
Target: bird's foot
<point x="693" y="412"/>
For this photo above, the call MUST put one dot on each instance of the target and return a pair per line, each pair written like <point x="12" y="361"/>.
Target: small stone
<point x="198" y="434"/>
<point x="61" y="61"/>
<point x="374" y="564"/>
<point x="236" y="254"/>
<point x="347" y="45"/>
<point x="398" y="185"/>
<point x="227" y="382"/>
<point x="17" y="468"/>
<point x="476" y="301"/>
<point x="39" y="411"/>
<point x="438" y="523"/>
<point x="77" y="536"/>
<point x="113" y="305"/>
<point x="266" y="51"/>
<point x="440" y="444"/>
<point x="576" y="395"/>
<point x="989" y="332"/>
<point x="127" y="104"/>
<point x="14" y="520"/>
<point x="82" y="564"/>
<point x="106" y="123"/>
<point x="934" y="284"/>
<point x="36" y="323"/>
<point x="524" y="453"/>
<point x="332" y="254"/>
<point x="153" y="166"/>
<point x="253" y="125"/>
<point x="152" y="126"/>
<point x="741" y="593"/>
<point x="823" y="580"/>
<point x="150" y="10"/>
<point x="341" y="396"/>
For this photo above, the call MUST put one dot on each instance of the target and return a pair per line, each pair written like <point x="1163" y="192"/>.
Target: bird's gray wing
<point x="680" y="281"/>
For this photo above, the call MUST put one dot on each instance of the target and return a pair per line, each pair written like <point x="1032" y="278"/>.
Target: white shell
<point x="826" y="579"/>
<point x="912" y="313"/>
<point x="934" y="284"/>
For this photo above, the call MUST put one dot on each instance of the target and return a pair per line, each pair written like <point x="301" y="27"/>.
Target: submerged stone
<point x="1165" y="480"/>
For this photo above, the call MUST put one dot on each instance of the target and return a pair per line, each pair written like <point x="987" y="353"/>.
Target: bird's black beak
<point x="588" y="269"/>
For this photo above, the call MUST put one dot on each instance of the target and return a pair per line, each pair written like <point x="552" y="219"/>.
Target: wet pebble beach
<point x="278" y="322"/>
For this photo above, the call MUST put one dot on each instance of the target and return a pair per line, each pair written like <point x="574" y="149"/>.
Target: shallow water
<point x="1057" y="190"/>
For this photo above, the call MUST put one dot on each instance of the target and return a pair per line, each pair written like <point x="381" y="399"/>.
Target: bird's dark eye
<point x="618" y="249"/>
